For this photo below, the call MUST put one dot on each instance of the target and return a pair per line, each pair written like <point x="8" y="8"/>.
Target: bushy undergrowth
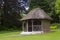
<point x="55" y="26"/>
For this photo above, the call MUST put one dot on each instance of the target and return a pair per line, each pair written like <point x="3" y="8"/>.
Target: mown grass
<point x="15" y="35"/>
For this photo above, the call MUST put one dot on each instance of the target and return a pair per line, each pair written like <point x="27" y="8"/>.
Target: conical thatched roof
<point x="36" y="13"/>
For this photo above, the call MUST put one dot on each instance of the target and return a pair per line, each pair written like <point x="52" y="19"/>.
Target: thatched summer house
<point x="36" y="21"/>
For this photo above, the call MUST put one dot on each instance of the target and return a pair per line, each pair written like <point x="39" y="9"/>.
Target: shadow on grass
<point x="3" y="32"/>
<point x="52" y="31"/>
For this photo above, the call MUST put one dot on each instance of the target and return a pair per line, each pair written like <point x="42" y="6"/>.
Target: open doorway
<point x="29" y="26"/>
<point x="37" y="25"/>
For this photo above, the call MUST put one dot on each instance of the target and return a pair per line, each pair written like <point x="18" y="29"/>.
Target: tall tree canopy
<point x="48" y="6"/>
<point x="10" y="10"/>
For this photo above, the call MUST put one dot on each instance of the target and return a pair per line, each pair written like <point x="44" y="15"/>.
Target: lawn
<point x="15" y="35"/>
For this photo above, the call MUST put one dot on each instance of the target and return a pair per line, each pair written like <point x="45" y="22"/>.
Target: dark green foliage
<point x="9" y="19"/>
<point x="48" y="6"/>
<point x="44" y="4"/>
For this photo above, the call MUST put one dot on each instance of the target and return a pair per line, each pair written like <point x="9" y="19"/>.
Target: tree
<point x="48" y="6"/>
<point x="11" y="12"/>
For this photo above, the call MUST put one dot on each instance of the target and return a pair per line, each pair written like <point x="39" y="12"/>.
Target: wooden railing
<point x="37" y="27"/>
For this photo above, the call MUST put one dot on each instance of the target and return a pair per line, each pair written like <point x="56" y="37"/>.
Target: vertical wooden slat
<point x="42" y="25"/>
<point x="23" y="25"/>
<point x="27" y="25"/>
<point x="32" y="25"/>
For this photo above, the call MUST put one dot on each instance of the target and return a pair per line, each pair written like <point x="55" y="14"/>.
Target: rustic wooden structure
<point x="36" y="21"/>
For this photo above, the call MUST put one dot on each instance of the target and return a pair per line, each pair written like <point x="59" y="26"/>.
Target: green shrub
<point x="53" y="26"/>
<point x="58" y="26"/>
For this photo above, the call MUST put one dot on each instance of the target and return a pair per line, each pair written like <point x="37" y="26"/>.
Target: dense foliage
<point x="10" y="11"/>
<point x="49" y="6"/>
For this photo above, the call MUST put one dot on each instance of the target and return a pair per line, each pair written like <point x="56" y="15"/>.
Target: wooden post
<point x="23" y="25"/>
<point x="27" y="25"/>
<point x="32" y="26"/>
<point x="42" y="24"/>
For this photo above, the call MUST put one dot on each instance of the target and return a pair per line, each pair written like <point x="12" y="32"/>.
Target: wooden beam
<point x="42" y="25"/>
<point x="32" y="25"/>
<point x="23" y="25"/>
<point x="27" y="25"/>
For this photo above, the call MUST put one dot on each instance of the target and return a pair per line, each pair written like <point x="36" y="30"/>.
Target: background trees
<point x="10" y="11"/>
<point x="49" y="6"/>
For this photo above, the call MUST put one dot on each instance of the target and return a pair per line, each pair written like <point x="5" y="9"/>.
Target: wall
<point x="45" y="25"/>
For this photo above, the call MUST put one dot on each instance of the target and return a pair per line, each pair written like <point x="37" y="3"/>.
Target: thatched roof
<point x="36" y="13"/>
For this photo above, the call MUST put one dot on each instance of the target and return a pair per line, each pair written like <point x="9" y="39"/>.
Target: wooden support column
<point x="32" y="25"/>
<point x="23" y="25"/>
<point x="42" y="25"/>
<point x="27" y="25"/>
